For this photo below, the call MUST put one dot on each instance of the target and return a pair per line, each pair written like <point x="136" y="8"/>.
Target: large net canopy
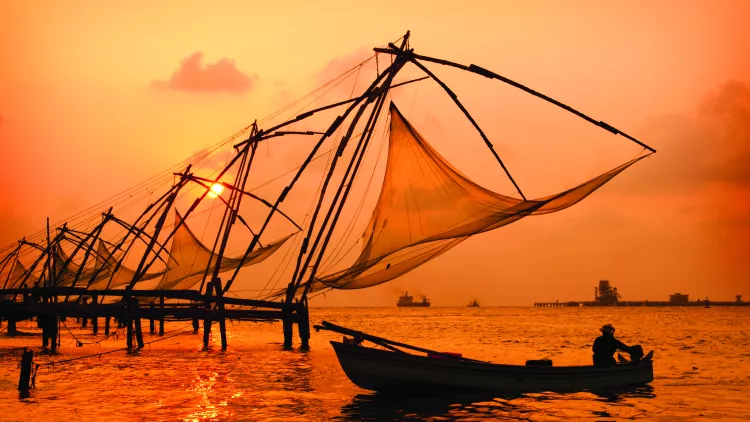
<point x="426" y="207"/>
<point x="190" y="260"/>
<point x="17" y="275"/>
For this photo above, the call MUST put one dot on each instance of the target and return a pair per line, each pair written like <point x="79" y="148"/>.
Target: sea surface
<point x="701" y="368"/>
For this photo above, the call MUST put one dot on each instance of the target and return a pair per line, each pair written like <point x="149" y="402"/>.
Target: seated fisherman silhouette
<point x="606" y="345"/>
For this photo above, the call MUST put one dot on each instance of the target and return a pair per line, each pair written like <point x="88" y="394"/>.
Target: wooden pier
<point x="130" y="307"/>
<point x="637" y="303"/>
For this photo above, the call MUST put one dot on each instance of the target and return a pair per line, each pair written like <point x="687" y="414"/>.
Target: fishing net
<point x="189" y="259"/>
<point x="426" y="207"/>
<point x="66" y="271"/>
<point x="122" y="276"/>
<point x="17" y="275"/>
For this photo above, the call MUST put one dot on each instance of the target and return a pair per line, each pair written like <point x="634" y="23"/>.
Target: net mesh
<point x="65" y="275"/>
<point x="122" y="276"/>
<point x="17" y="275"/>
<point x="426" y="207"/>
<point x="189" y="259"/>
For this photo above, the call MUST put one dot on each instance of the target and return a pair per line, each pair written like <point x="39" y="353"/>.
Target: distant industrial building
<point x="678" y="299"/>
<point x="605" y="294"/>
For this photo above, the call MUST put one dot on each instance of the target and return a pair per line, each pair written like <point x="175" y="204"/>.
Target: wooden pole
<point x="138" y="328"/>
<point x="106" y="325"/>
<point x="129" y="317"/>
<point x="54" y="332"/>
<point x="207" y="318"/>
<point x="12" y="331"/>
<point x="161" y="316"/>
<point x="130" y="334"/>
<point x="24" y="380"/>
<point x="196" y="321"/>
<point x="152" y="322"/>
<point x="303" y="324"/>
<point x="287" y="325"/>
<point x="222" y="319"/>
<point x="95" y="318"/>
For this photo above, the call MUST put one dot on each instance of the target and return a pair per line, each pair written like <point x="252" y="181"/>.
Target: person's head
<point x="608" y="329"/>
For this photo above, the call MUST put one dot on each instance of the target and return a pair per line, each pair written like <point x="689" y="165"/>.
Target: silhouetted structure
<point x="407" y="301"/>
<point x="605" y="294"/>
<point x="678" y="299"/>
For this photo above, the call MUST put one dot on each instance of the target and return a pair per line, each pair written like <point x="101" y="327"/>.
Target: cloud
<point x="709" y="146"/>
<point x="341" y="64"/>
<point x="194" y="76"/>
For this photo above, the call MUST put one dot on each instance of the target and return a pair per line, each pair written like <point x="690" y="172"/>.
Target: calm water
<point x="702" y="369"/>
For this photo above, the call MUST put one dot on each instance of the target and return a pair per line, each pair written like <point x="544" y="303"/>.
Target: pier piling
<point x="303" y="324"/>
<point x="220" y="306"/>
<point x="24" y="380"/>
<point x="207" y="319"/>
<point x="161" y="318"/>
<point x="151" y="321"/>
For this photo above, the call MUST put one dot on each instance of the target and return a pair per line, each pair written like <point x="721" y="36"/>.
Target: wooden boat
<point x="394" y="370"/>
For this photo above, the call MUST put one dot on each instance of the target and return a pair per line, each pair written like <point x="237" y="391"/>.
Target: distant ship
<point x="407" y="301"/>
<point x="473" y="304"/>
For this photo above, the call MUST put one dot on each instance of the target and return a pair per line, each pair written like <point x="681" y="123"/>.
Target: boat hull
<point x="386" y="371"/>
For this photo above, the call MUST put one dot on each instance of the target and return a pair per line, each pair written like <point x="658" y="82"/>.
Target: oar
<point x="383" y="341"/>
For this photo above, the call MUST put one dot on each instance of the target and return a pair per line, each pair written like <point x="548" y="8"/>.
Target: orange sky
<point x="93" y="100"/>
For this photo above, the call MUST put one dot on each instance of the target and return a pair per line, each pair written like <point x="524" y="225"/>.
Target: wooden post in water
<point x="287" y="325"/>
<point x="106" y="325"/>
<point x="129" y="317"/>
<point x="54" y="332"/>
<point x="12" y="331"/>
<point x="161" y="317"/>
<point x="151" y="321"/>
<point x="24" y="380"/>
<point x="220" y="306"/>
<point x="41" y="319"/>
<point x="303" y="323"/>
<point x="138" y="328"/>
<point x="196" y="322"/>
<point x="95" y="318"/>
<point x="207" y="318"/>
<point x="84" y="321"/>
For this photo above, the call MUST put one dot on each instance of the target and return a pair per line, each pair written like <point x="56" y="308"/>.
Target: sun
<point x="216" y="190"/>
